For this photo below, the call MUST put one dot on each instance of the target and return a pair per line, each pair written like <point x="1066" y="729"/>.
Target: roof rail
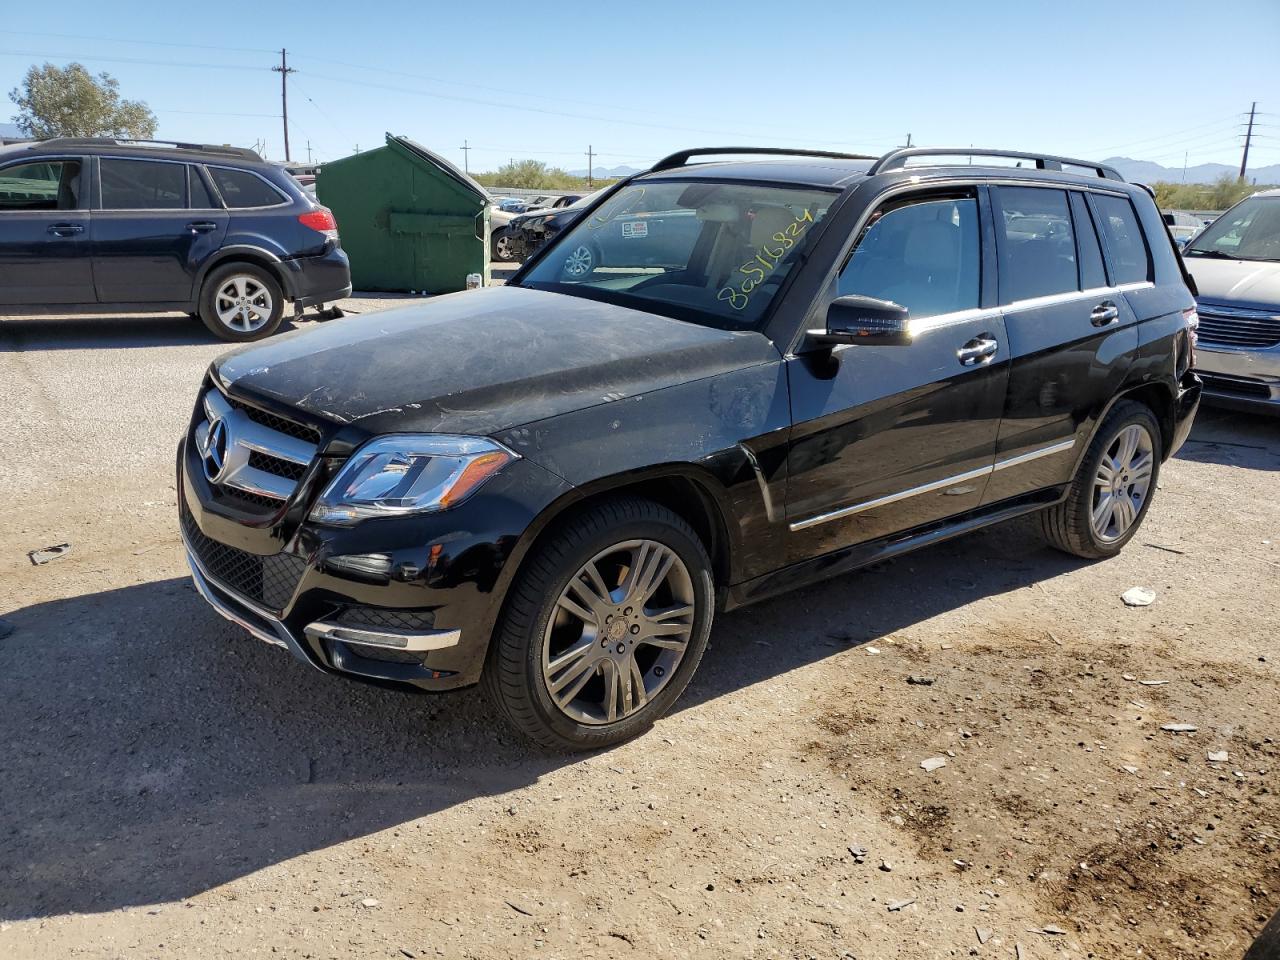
<point x="897" y="159"/>
<point x="242" y="152"/>
<point x="681" y="158"/>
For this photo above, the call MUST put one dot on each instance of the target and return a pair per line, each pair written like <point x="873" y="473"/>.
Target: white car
<point x="1236" y="266"/>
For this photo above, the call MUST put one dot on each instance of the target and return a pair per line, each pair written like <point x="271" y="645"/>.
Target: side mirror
<point x="865" y="320"/>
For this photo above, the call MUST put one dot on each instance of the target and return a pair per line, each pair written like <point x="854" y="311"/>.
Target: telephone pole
<point x="908" y="140"/>
<point x="308" y="153"/>
<point x="591" y="156"/>
<point x="466" y="156"/>
<point x="1244" y="161"/>
<point x="284" y="70"/>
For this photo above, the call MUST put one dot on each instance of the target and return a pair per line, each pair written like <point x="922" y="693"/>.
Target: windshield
<point x="710" y="252"/>
<point x="1248" y="231"/>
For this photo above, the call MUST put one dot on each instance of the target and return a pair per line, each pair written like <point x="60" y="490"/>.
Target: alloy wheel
<point x="1122" y="483"/>
<point x="243" y="304"/>
<point x="502" y="248"/>
<point x="619" y="630"/>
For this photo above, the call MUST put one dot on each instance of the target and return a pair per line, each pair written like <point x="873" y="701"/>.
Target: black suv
<point x="552" y="486"/>
<point x="93" y="225"/>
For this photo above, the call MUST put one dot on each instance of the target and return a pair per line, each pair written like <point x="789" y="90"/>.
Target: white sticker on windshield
<point x="635" y="228"/>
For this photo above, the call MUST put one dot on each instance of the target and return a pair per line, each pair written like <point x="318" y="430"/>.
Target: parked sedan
<point x="1236" y="265"/>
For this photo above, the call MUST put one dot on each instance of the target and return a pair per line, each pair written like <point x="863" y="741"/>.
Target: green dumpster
<point x="409" y="219"/>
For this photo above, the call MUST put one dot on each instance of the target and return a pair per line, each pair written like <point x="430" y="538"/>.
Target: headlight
<point x="409" y="473"/>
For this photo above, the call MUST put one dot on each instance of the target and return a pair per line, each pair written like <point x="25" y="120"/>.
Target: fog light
<point x="375" y="566"/>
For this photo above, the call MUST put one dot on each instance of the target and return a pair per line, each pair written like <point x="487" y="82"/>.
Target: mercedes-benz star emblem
<point x="213" y="452"/>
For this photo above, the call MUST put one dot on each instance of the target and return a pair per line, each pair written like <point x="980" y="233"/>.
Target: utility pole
<point x="308" y="153"/>
<point x="1244" y="161"/>
<point x="284" y="70"/>
<point x="908" y="140"/>
<point x="591" y="156"/>
<point x="466" y="156"/>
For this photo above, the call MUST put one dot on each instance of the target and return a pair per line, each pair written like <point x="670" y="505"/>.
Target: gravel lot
<point x="172" y="787"/>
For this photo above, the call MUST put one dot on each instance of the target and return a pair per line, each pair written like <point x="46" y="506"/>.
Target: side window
<point x="923" y="254"/>
<point x="1038" y="247"/>
<point x="201" y="198"/>
<point x="143" y="185"/>
<point x="1092" y="273"/>
<point x="1126" y="246"/>
<point x="46" y="185"/>
<point x="240" y="188"/>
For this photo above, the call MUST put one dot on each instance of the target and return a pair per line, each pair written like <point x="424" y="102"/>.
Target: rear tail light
<point x="321" y="220"/>
<point x="1192" y="321"/>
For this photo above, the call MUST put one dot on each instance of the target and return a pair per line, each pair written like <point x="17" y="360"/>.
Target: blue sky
<point x="636" y="81"/>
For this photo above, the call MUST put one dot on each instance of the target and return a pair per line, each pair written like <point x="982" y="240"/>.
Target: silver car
<point x="1236" y="265"/>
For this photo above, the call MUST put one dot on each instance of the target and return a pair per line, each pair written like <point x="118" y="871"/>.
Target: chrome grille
<point x="250" y="455"/>
<point x="1237" y="327"/>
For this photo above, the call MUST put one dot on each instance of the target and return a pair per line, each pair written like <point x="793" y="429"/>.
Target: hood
<point x="481" y="361"/>
<point x="1249" y="283"/>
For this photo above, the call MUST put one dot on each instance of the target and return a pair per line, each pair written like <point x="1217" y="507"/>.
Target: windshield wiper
<point x="1216" y="254"/>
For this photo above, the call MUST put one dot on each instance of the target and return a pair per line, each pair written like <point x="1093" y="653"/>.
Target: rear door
<point x="44" y="232"/>
<point x="147" y="243"/>
<point x="886" y="438"/>
<point x="1072" y="334"/>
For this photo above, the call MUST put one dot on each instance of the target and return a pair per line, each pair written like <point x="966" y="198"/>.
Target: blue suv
<point x="99" y="225"/>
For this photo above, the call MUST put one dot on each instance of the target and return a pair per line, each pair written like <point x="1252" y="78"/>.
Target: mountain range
<point x="1135" y="171"/>
<point x="1144" y="171"/>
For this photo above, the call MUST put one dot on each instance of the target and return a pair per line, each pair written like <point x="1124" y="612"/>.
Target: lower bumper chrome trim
<point x="386" y="639"/>
<point x="270" y="629"/>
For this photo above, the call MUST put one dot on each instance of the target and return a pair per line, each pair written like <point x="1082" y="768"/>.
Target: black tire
<point x="500" y="246"/>
<point x="264" y="281"/>
<point x="513" y="673"/>
<point x="1068" y="525"/>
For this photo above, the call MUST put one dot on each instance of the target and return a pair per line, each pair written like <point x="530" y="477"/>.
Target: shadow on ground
<point x="108" y="332"/>
<point x="1234" y="440"/>
<point x="154" y="751"/>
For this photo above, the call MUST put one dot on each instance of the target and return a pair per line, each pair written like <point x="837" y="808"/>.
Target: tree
<point x="71" y="102"/>
<point x="536" y="175"/>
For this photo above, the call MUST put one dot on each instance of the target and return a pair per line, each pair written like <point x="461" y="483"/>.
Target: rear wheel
<point x="241" y="302"/>
<point x="604" y="627"/>
<point x="1113" y="486"/>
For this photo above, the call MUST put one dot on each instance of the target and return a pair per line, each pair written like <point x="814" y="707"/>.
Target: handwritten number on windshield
<point x="767" y="257"/>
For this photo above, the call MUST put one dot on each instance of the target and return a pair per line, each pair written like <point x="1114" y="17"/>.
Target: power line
<point x="149" y="43"/>
<point x="138" y="60"/>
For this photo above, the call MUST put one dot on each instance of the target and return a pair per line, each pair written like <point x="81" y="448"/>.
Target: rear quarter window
<point x="241" y="189"/>
<point x="1123" y="237"/>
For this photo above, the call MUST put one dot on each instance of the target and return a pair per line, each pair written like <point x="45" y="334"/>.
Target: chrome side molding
<point x="1061" y="447"/>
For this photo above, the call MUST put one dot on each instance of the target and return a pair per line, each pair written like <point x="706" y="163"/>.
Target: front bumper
<point x="1241" y="378"/>
<point x="425" y="620"/>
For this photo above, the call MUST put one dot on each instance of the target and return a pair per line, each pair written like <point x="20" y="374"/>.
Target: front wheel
<point x="1112" y="488"/>
<point x="604" y="627"/>
<point x="502" y="247"/>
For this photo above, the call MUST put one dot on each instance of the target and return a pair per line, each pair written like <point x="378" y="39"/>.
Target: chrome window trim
<point x="838" y="514"/>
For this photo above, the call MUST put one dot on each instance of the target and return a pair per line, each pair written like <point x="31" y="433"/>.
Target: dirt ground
<point x="171" y="787"/>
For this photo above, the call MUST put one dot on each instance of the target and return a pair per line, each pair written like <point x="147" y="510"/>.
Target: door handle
<point x="66" y="229"/>
<point x="978" y="350"/>
<point x="202" y="226"/>
<point x="1104" y="313"/>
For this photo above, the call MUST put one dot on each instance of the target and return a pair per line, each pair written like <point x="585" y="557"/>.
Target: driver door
<point x="888" y="438"/>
